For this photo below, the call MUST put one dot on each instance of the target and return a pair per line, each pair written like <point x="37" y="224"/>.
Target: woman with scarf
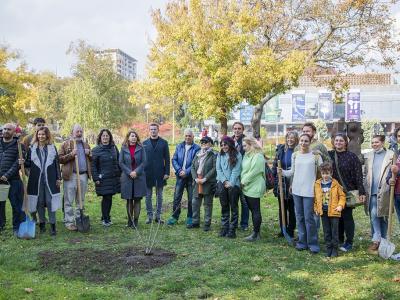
<point x="284" y="154"/>
<point x="347" y="171"/>
<point x="44" y="178"/>
<point x="229" y="163"/>
<point x="106" y="172"/>
<point x="252" y="180"/>
<point x="132" y="160"/>
<point x="204" y="176"/>
<point x="376" y="168"/>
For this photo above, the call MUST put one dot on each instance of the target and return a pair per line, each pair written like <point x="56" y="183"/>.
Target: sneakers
<point x="231" y="234"/>
<point x="53" y="231"/>
<point x="373" y="248"/>
<point x="158" y="220"/>
<point x="255" y="236"/>
<point x="149" y="220"/>
<point x="189" y="221"/>
<point x="191" y="226"/>
<point x="346" y="247"/>
<point x="223" y="232"/>
<point x="172" y="221"/>
<point x="106" y="223"/>
<point x="71" y="227"/>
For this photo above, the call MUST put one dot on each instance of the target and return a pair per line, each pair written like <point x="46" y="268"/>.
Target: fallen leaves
<point x="28" y="290"/>
<point x="256" y="278"/>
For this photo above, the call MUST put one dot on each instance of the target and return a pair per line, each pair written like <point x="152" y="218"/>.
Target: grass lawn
<point x="205" y="265"/>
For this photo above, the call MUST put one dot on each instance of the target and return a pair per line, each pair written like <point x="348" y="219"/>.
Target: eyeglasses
<point x="40" y="125"/>
<point x="203" y="142"/>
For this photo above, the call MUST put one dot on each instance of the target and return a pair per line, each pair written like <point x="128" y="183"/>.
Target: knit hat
<point x="228" y="140"/>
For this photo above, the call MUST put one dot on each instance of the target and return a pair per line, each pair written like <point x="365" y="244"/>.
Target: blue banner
<point x="298" y="107"/>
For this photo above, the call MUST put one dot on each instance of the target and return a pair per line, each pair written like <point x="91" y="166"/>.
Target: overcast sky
<point x="43" y="29"/>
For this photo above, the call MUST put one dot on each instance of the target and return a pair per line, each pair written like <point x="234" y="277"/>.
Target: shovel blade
<point x="27" y="229"/>
<point x="83" y="223"/>
<point x="386" y="248"/>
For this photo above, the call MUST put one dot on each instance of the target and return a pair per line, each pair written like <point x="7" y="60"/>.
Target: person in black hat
<point x="204" y="175"/>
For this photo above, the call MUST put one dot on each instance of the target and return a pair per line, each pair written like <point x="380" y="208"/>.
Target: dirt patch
<point x="103" y="265"/>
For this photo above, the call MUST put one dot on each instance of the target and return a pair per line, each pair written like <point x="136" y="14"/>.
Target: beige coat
<point x="383" y="188"/>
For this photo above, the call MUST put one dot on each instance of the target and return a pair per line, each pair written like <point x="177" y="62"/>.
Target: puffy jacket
<point x="336" y="198"/>
<point x="253" y="175"/>
<point x="105" y="169"/>
<point x="179" y="156"/>
<point x="9" y="159"/>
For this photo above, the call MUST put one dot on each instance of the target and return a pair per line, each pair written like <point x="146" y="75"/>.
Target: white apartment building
<point x="124" y="64"/>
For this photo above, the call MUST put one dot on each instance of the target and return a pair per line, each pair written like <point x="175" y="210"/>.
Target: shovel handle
<point x="78" y="179"/>
<point x="281" y="194"/>
<point x="391" y="202"/>
<point x="23" y="173"/>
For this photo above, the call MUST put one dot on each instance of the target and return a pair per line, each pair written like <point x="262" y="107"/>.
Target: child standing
<point x="329" y="202"/>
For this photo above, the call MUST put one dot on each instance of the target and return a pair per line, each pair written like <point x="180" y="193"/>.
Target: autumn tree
<point x="17" y="88"/>
<point x="96" y="97"/>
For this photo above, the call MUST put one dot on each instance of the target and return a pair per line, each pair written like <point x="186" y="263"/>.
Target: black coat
<point x="105" y="169"/>
<point x="158" y="162"/>
<point x="280" y="152"/>
<point x="9" y="166"/>
<point x="139" y="183"/>
<point x="51" y="172"/>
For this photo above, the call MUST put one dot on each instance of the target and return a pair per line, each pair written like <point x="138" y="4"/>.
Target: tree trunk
<point x="258" y="110"/>
<point x="224" y="125"/>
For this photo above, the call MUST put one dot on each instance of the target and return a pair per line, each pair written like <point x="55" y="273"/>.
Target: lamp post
<point x="147" y="107"/>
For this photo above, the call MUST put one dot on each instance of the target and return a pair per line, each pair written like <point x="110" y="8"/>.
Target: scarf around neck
<point x="202" y="154"/>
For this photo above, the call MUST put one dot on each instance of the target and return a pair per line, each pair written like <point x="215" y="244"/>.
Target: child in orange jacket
<point x="329" y="201"/>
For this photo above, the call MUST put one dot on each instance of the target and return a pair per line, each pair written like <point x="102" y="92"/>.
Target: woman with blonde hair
<point x="132" y="160"/>
<point x="44" y="178"/>
<point x="253" y="182"/>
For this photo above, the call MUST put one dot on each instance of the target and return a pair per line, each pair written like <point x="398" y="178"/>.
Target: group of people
<point x="316" y="184"/>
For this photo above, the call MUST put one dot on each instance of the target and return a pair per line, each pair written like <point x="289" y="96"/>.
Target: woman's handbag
<point x="353" y="196"/>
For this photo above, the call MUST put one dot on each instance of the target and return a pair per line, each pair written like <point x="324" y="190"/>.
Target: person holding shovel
<point x="9" y="176"/>
<point x="377" y="165"/>
<point x="72" y="149"/>
<point x="44" y="178"/>
<point x="132" y="160"/>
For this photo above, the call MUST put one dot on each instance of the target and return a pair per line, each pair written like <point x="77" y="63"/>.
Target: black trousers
<point x="106" y="204"/>
<point x="346" y="226"/>
<point x="229" y="207"/>
<point x="2" y="214"/>
<point x="290" y="215"/>
<point x="254" y="206"/>
<point x="330" y="226"/>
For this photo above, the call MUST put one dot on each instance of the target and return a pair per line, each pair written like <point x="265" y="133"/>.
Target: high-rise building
<point x="124" y="64"/>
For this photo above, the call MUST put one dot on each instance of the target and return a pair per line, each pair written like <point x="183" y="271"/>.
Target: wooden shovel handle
<point x="78" y="179"/>
<point x="281" y="194"/>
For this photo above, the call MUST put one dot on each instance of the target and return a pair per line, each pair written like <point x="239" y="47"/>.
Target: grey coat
<point x="383" y="189"/>
<point x="139" y="183"/>
<point x="210" y="172"/>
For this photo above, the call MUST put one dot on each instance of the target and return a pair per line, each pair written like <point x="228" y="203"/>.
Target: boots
<point x="135" y="223"/>
<point x="53" y="231"/>
<point x="255" y="236"/>
<point x="334" y="252"/>
<point x="42" y="227"/>
<point x="231" y="234"/>
<point x="129" y="223"/>
<point x="223" y="232"/>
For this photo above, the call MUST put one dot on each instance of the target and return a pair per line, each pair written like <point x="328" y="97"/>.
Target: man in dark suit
<point x="157" y="171"/>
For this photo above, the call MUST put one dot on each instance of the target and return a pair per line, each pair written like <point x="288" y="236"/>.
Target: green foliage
<point x="97" y="97"/>
<point x="369" y="127"/>
<point x="322" y="130"/>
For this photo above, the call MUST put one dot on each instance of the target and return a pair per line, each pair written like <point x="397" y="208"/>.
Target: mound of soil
<point x="103" y="265"/>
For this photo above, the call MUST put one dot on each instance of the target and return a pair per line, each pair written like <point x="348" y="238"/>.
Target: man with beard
<point x="67" y="155"/>
<point x="9" y="175"/>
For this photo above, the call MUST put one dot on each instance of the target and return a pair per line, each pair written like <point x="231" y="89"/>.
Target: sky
<point x="42" y="30"/>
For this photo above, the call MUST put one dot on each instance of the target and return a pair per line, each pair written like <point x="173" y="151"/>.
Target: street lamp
<point x="147" y="107"/>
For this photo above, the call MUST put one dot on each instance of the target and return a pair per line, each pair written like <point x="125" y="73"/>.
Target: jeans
<point x="378" y="224"/>
<point x="244" y="218"/>
<point x="181" y="184"/>
<point x="305" y="221"/>
<point x="289" y="214"/>
<point x="229" y="207"/>
<point x="159" y="201"/>
<point x="106" y="204"/>
<point x="397" y="205"/>
<point x="346" y="226"/>
<point x="331" y="234"/>
<point x="208" y="206"/>
<point x="254" y="206"/>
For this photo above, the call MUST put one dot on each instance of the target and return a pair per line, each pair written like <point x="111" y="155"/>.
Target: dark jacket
<point x="125" y="163"/>
<point x="158" y="162"/>
<point x="239" y="144"/>
<point x="179" y="156"/>
<point x="50" y="173"/>
<point x="279" y="155"/>
<point x="9" y="166"/>
<point x="209" y="171"/>
<point x="105" y="169"/>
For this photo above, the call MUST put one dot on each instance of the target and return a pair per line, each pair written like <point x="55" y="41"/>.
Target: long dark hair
<point x="101" y="133"/>
<point x="232" y="152"/>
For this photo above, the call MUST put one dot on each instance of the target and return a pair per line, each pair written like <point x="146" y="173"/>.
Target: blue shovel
<point x="27" y="228"/>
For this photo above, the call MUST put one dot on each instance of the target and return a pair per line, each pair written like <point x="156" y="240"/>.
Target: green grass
<point x="205" y="267"/>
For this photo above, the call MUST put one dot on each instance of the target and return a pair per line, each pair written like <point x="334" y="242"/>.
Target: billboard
<point x="353" y="106"/>
<point x="246" y="113"/>
<point x="298" y="106"/>
<point x="325" y="106"/>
